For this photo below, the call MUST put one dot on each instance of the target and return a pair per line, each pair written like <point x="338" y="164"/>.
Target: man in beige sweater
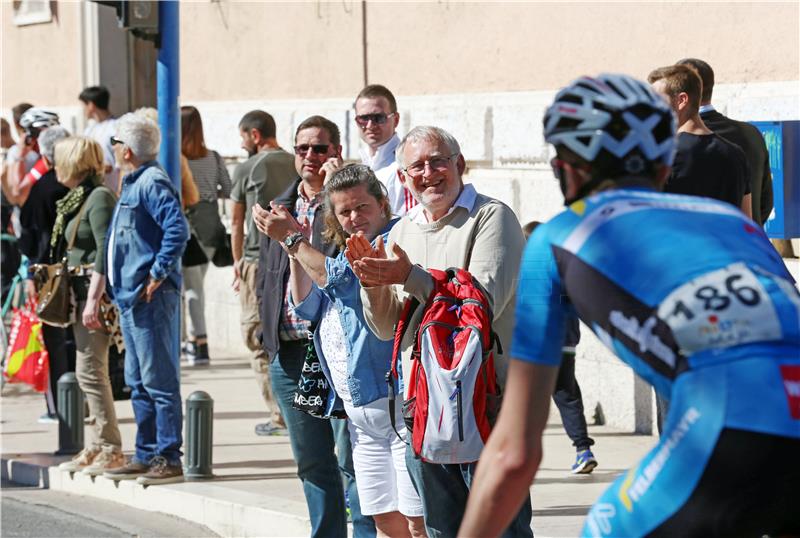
<point x="453" y="226"/>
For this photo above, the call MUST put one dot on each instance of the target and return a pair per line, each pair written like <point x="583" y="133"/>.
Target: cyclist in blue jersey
<point x="687" y="291"/>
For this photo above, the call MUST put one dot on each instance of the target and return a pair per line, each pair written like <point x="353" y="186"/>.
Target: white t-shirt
<point x="101" y="132"/>
<point x="334" y="347"/>
<point x="30" y="158"/>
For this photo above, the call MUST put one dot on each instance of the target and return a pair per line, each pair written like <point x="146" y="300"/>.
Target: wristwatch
<point x="291" y="241"/>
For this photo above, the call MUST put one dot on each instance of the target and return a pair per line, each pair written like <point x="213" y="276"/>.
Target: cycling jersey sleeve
<point x="542" y="307"/>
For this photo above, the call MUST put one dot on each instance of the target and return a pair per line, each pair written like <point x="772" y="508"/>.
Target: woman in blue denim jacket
<point x="327" y="292"/>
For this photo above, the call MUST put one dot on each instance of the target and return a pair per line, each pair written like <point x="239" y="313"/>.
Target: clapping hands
<point x="278" y="222"/>
<point x="371" y="264"/>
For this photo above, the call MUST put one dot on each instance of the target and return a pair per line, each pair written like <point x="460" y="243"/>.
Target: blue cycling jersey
<point x="668" y="282"/>
<point x="691" y="294"/>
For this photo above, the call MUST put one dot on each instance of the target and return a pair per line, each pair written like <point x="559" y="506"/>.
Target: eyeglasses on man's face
<point x="114" y="141"/>
<point x="319" y="149"/>
<point x="377" y="119"/>
<point x="438" y="162"/>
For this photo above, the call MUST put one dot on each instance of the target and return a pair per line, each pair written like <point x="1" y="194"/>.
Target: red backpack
<point x="453" y="398"/>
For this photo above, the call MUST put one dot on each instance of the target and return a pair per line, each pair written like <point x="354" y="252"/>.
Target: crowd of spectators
<point x="325" y="253"/>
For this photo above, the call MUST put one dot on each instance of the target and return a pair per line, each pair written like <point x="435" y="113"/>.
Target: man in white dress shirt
<point x="377" y="119"/>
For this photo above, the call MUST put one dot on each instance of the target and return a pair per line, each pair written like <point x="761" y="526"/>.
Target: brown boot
<point x="161" y="472"/>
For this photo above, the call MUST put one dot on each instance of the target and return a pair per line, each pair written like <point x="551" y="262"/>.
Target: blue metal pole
<point x="168" y="77"/>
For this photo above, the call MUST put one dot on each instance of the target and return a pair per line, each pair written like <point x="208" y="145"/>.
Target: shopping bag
<point x="27" y="360"/>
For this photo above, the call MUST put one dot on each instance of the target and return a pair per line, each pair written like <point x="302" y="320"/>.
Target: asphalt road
<point x="41" y="513"/>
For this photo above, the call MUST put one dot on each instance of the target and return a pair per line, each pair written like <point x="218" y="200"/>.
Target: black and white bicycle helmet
<point x="616" y="123"/>
<point x="38" y="118"/>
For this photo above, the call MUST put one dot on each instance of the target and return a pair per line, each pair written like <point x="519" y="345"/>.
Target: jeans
<point x="313" y="441"/>
<point x="567" y="397"/>
<point x="152" y="371"/>
<point x="444" y="490"/>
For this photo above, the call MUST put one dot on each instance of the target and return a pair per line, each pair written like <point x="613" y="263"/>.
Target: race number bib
<point x="723" y="308"/>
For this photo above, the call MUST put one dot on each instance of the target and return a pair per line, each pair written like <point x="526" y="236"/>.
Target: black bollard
<point x="199" y="436"/>
<point x="70" y="415"/>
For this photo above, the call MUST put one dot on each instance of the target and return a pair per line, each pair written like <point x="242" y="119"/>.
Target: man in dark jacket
<point x="744" y="135"/>
<point x="285" y="337"/>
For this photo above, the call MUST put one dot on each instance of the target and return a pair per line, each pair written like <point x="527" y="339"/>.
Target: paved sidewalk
<point x="255" y="491"/>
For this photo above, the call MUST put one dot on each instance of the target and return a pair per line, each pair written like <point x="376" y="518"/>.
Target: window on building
<point x="32" y="12"/>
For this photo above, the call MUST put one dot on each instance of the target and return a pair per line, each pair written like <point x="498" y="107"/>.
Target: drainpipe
<point x="168" y="80"/>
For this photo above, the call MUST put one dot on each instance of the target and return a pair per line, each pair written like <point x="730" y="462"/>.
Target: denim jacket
<point x="368" y="357"/>
<point x="147" y="236"/>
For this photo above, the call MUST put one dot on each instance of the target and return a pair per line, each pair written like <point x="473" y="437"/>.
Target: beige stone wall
<point x="235" y="51"/>
<point x="314" y="49"/>
<point x="41" y="63"/>
<point x="252" y="50"/>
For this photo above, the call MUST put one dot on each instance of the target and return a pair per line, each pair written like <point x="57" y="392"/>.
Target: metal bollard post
<point x="70" y="415"/>
<point x="199" y="436"/>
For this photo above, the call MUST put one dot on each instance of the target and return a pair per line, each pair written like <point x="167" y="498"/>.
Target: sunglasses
<point x="319" y="149"/>
<point x="114" y="141"/>
<point x="558" y="168"/>
<point x="378" y="119"/>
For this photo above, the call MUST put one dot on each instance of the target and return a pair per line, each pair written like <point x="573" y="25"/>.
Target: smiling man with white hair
<point x="452" y="226"/>
<point x="146" y="240"/>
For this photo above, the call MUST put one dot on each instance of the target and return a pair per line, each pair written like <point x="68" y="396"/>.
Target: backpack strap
<point x="410" y="306"/>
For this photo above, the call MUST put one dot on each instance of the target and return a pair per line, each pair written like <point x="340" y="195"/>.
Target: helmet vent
<point x="567" y="123"/>
<point x="571" y="99"/>
<point x="641" y="111"/>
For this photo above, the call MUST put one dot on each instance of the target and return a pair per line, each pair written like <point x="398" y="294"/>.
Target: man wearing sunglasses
<point x="377" y="119"/>
<point x="285" y="337"/>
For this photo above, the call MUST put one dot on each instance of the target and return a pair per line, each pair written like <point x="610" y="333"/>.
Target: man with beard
<point x="265" y="174"/>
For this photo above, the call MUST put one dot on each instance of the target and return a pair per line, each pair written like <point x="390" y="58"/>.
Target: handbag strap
<point x="75" y="231"/>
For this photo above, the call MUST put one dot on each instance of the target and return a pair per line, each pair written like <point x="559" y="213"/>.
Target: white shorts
<point x="379" y="459"/>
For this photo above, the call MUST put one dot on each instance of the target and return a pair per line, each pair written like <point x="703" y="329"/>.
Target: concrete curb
<point x="25" y="473"/>
<point x="223" y="510"/>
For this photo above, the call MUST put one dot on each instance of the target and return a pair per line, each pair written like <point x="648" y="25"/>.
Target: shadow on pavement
<point x="596" y="477"/>
<point x="250" y="476"/>
<point x="266" y="464"/>
<point x="575" y="510"/>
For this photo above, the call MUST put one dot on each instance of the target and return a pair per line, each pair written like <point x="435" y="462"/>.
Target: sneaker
<point x="84" y="458"/>
<point x="132" y="470"/>
<point x="187" y="350"/>
<point x="584" y="462"/>
<point x="196" y="354"/>
<point x="105" y="461"/>
<point x="268" y="428"/>
<point x="161" y="472"/>
<point x="47" y="418"/>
